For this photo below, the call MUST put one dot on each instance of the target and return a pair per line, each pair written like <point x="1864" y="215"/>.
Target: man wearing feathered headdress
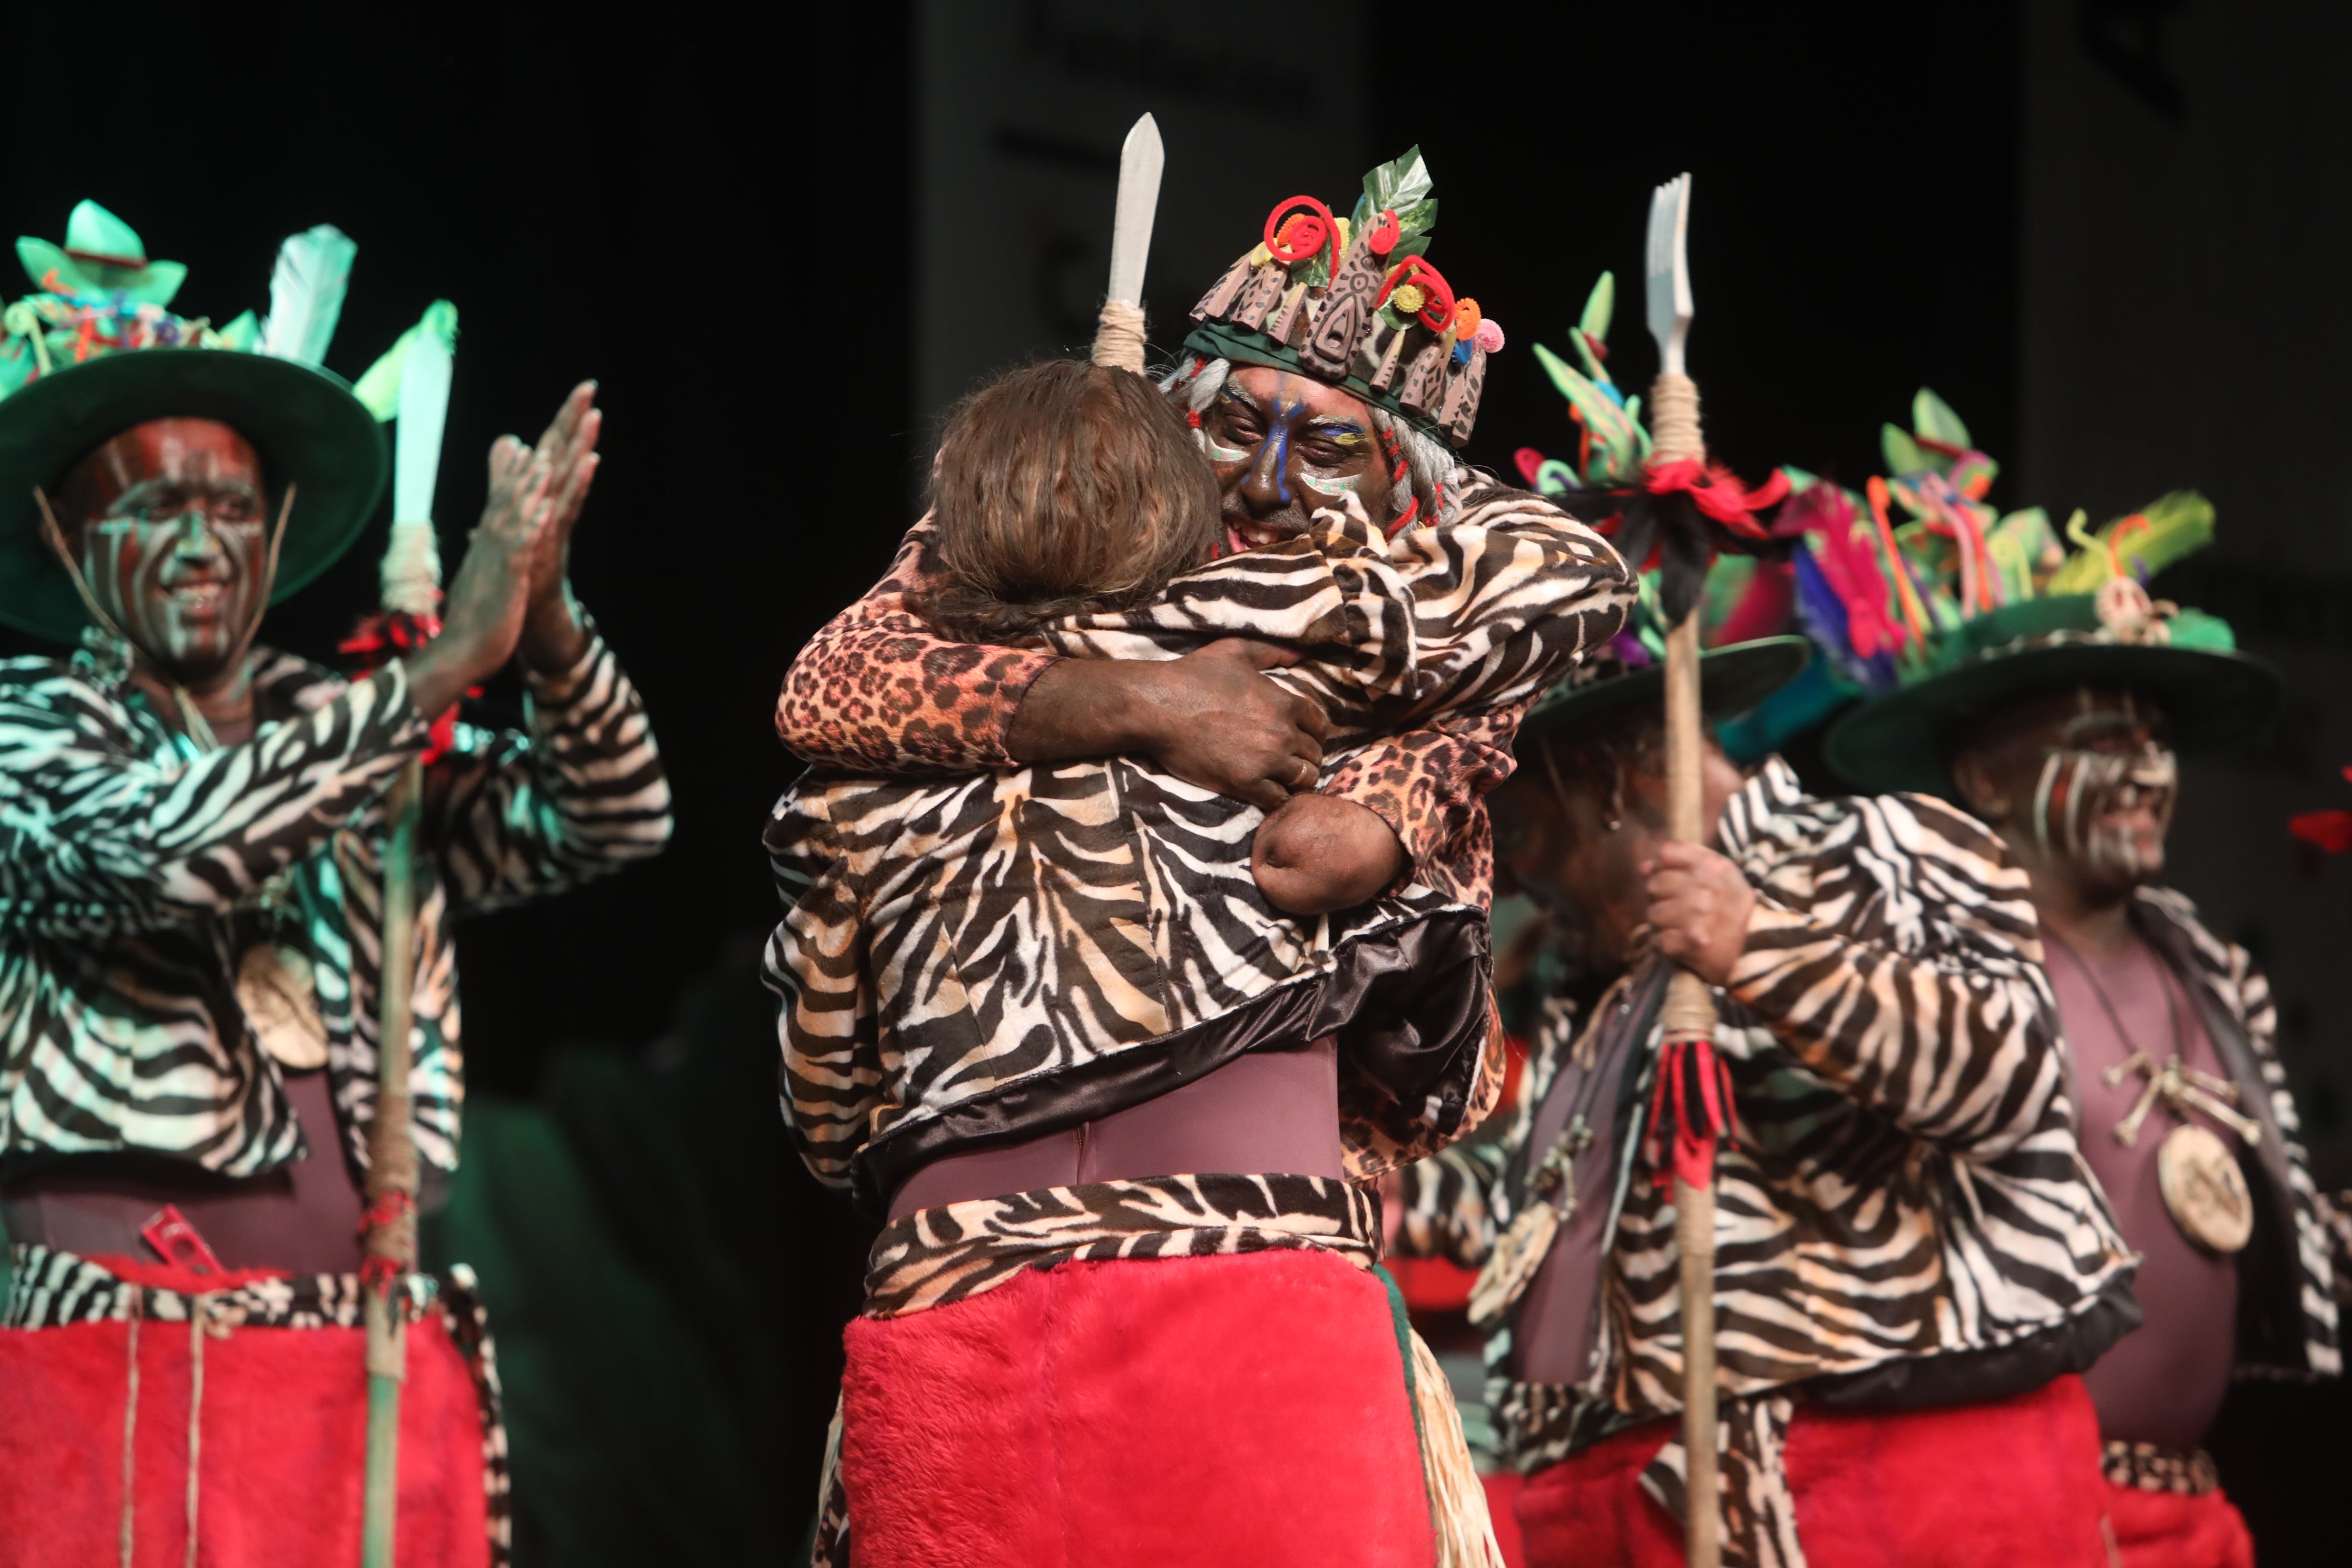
<point x="2052" y="699"/>
<point x="1908" y="1257"/>
<point x="193" y="838"/>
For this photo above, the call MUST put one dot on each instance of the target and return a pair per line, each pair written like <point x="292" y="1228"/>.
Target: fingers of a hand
<point x="1309" y="717"/>
<point x="1265" y="794"/>
<point x="1256" y="655"/>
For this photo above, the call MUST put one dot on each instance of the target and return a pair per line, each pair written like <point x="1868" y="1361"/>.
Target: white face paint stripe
<point x="2050" y="765"/>
<point x="1330" y="487"/>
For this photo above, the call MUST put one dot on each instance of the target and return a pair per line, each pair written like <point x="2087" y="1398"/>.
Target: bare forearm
<point x="554" y="635"/>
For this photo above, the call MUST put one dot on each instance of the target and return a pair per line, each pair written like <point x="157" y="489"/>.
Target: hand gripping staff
<point x="411" y="383"/>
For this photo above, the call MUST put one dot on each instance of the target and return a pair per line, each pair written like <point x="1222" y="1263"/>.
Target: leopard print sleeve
<point x="877" y="691"/>
<point x="1429" y="786"/>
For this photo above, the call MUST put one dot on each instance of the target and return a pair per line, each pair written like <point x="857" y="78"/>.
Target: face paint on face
<point x="2105" y="797"/>
<point x="1283" y="446"/>
<point x="174" y="541"/>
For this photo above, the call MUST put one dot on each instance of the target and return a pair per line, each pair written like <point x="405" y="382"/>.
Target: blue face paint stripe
<point x="1282" y="462"/>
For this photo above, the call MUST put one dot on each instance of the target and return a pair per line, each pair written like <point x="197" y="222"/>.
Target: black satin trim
<point x="1981" y="1377"/>
<point x="1410" y="1003"/>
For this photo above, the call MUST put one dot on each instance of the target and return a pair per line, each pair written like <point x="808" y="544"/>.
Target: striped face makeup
<point x="1283" y="446"/>
<point x="174" y="541"/>
<point x="2104" y="800"/>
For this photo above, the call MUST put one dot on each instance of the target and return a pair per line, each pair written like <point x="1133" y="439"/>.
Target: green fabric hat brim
<point x="1221" y="339"/>
<point x="308" y="428"/>
<point x="1732" y="680"/>
<point x="153" y="284"/>
<point x="1896" y="741"/>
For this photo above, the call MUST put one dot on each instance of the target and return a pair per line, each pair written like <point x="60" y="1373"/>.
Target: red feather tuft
<point x="2331" y="830"/>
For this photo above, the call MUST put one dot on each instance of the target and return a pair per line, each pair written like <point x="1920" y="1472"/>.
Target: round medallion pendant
<point x="2204" y="1188"/>
<point x="274" y="986"/>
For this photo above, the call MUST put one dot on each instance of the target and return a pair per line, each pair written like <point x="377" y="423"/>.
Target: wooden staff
<point x="1688" y="1016"/>
<point x="411" y="588"/>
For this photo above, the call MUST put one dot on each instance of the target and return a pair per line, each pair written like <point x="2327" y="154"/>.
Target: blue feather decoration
<point x="306" y="294"/>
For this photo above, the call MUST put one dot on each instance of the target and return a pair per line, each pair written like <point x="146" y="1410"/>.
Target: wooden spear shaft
<point x="1689" y="1014"/>
<point x="392" y="1177"/>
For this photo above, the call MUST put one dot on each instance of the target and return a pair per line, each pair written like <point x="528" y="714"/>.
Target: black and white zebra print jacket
<point x="135" y="870"/>
<point x="2292" y="1277"/>
<point x="1018" y="950"/>
<point x="1901" y="1195"/>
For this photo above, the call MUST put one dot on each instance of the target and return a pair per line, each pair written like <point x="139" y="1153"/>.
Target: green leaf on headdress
<point x="1599" y="307"/>
<point x="244" y="335"/>
<point x="1933" y="418"/>
<point x="1902" y="453"/>
<point x="1617" y="439"/>
<point x="379" y="387"/>
<point x="1592" y="328"/>
<point x="2178" y="524"/>
<point x="1415" y="222"/>
<point x="1398" y="183"/>
<point x="2195" y="628"/>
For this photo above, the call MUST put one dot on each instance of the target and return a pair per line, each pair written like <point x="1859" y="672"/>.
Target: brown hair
<point x="1063" y="487"/>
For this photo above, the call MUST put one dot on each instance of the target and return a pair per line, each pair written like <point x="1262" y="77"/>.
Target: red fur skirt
<point x="277" y="1440"/>
<point x="2176" y="1529"/>
<point x="1174" y="1412"/>
<point x="2014" y="1483"/>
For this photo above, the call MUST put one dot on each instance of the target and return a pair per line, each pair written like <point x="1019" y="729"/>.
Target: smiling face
<point x="1283" y="445"/>
<point x="170" y="524"/>
<point x="2083" y="783"/>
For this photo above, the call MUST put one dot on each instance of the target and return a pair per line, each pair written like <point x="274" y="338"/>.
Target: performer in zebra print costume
<point x="1909" y="1248"/>
<point x="192" y="836"/>
<point x="1109" y="1093"/>
<point x="2055" y="718"/>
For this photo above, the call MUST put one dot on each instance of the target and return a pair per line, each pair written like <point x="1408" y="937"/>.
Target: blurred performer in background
<point x="1912" y="1259"/>
<point x="1050" y="1014"/>
<point x="192" y="836"/>
<point x="2054" y="711"/>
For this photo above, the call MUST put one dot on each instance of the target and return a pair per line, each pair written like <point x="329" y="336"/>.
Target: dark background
<point x="738" y="231"/>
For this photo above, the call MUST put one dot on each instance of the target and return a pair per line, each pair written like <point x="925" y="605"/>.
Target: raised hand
<point x="491" y="593"/>
<point x="552" y="636"/>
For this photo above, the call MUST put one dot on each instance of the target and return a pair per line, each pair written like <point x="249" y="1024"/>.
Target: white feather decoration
<point x="306" y="294"/>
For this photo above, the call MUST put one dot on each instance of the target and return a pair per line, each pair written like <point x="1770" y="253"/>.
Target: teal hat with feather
<point x="1353" y="302"/>
<point x="1980" y="608"/>
<point x="94" y="350"/>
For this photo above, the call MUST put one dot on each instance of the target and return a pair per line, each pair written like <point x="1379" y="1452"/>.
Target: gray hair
<point x="1429" y="468"/>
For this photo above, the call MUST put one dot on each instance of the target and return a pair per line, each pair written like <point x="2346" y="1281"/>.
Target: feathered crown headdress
<point x="1673" y="517"/>
<point x="1354" y="302"/>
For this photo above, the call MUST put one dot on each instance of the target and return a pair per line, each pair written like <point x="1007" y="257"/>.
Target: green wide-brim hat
<point x="1732" y="680"/>
<point x="304" y="422"/>
<point x="2212" y="695"/>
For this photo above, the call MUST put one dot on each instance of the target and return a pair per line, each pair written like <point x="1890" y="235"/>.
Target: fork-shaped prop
<point x="1688" y="1016"/>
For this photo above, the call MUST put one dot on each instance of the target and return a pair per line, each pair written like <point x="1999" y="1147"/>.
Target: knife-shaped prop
<point x="1118" y="332"/>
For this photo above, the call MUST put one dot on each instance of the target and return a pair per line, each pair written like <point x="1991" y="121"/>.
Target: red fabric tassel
<point x="1718" y="492"/>
<point x="2331" y="830"/>
<point x="1691" y="1108"/>
<point x="377" y="639"/>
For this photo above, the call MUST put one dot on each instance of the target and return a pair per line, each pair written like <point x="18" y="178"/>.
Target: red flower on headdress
<point x="1436" y="310"/>
<point x="1297" y="228"/>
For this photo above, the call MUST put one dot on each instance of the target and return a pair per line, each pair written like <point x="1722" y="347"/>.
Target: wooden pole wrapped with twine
<point x="1687" y="1020"/>
<point x="411" y="577"/>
